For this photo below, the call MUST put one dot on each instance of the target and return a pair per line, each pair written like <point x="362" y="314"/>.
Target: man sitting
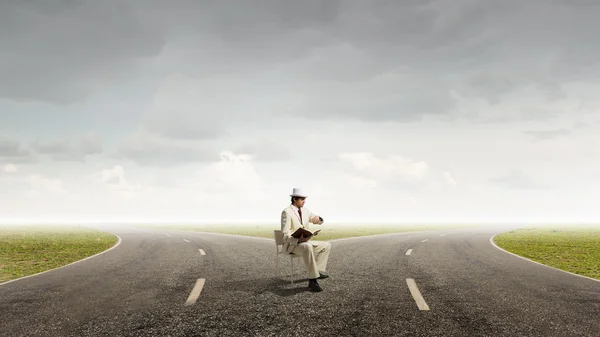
<point x="314" y="254"/>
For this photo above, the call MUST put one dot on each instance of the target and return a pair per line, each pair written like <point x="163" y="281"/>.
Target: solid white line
<point x="541" y="264"/>
<point x="186" y="240"/>
<point x="195" y="292"/>
<point x="202" y="252"/>
<point x="412" y="286"/>
<point x="89" y="257"/>
<point x="408" y="252"/>
<point x="425" y="240"/>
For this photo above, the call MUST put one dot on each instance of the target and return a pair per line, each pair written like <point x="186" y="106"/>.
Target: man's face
<point x="300" y="202"/>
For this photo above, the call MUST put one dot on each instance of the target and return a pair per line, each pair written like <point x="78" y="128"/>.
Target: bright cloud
<point x="11" y="168"/>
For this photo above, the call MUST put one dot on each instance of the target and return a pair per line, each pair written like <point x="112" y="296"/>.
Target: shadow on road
<point x="278" y="286"/>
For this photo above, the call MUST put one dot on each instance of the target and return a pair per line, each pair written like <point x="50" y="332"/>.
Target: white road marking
<point x="408" y="252"/>
<point x="425" y="240"/>
<point x="186" y="240"/>
<point x="202" y="252"/>
<point x="412" y="286"/>
<point x="195" y="292"/>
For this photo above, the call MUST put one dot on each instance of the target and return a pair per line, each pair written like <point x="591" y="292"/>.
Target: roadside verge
<point x="27" y="251"/>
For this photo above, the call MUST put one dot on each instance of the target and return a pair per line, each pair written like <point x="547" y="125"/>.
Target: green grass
<point x="575" y="249"/>
<point x="27" y="250"/>
<point x="328" y="232"/>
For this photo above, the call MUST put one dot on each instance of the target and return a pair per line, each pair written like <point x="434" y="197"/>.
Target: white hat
<point x="297" y="192"/>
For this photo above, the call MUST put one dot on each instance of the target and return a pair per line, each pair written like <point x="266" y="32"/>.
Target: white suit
<point x="314" y="253"/>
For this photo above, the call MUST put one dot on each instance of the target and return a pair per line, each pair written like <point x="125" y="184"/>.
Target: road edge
<point x="85" y="258"/>
<point x="422" y="231"/>
<point x="216" y="233"/>
<point x="272" y="238"/>
<point x="541" y="264"/>
<point x="374" y="235"/>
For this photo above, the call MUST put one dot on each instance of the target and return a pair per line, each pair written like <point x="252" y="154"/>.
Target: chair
<point x="279" y="243"/>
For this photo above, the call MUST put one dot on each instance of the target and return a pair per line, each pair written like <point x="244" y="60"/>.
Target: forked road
<point x="146" y="286"/>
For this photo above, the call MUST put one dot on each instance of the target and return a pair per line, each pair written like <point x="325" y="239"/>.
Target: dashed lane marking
<point x="195" y="292"/>
<point x="414" y="290"/>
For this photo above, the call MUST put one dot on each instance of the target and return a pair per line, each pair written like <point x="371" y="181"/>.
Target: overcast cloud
<point x="402" y="110"/>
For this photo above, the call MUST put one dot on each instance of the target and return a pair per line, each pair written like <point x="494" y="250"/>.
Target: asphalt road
<point x="146" y="287"/>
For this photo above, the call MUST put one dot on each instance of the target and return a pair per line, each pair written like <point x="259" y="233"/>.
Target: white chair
<point x="279" y="243"/>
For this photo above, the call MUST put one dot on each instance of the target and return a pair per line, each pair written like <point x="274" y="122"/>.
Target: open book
<point x="301" y="231"/>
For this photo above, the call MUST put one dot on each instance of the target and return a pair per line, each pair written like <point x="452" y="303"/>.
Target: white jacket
<point x="290" y="222"/>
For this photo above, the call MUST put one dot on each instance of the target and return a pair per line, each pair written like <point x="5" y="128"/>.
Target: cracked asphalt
<point x="139" y="289"/>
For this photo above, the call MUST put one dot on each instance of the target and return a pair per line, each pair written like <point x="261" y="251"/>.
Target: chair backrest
<point x="278" y="237"/>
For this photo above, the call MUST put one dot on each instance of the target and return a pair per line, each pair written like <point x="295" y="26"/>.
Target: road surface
<point x="433" y="283"/>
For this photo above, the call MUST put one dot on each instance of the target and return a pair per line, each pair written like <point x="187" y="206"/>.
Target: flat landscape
<point x="426" y="281"/>
<point x="26" y="250"/>
<point x="328" y="232"/>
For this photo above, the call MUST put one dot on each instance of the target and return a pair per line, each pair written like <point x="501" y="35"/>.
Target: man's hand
<point x="303" y="239"/>
<point x="315" y="219"/>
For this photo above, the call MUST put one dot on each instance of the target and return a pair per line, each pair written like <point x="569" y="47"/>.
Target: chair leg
<point x="296" y="270"/>
<point x="292" y="273"/>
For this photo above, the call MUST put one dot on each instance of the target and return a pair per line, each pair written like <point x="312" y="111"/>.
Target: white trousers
<point x="315" y="255"/>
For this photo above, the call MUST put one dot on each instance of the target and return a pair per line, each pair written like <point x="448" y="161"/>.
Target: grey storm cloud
<point x="60" y="149"/>
<point x="161" y="152"/>
<point x="60" y="51"/>
<point x="371" y="60"/>
<point x="184" y="126"/>
<point x="73" y="149"/>
<point x="12" y="150"/>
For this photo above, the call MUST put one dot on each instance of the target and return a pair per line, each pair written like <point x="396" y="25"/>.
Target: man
<point x="314" y="254"/>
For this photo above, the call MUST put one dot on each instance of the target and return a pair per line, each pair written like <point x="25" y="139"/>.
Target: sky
<point x="381" y="111"/>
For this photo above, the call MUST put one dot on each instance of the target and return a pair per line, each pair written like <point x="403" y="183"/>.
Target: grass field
<point x="575" y="249"/>
<point x="328" y="232"/>
<point x="26" y="250"/>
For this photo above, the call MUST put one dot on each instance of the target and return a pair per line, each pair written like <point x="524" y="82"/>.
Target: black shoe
<point x="323" y="275"/>
<point x="314" y="286"/>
